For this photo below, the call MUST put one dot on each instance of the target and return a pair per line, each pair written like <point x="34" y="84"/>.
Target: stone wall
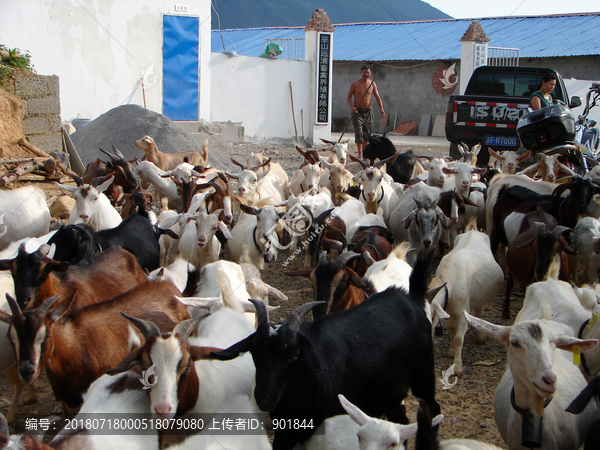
<point x="41" y="99"/>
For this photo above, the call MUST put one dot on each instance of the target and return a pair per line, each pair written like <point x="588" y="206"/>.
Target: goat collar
<point x="254" y="239"/>
<point x="362" y="192"/>
<point x="520" y="410"/>
<point x="584" y="365"/>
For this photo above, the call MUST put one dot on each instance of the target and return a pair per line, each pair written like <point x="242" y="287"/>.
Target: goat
<point x="187" y="379"/>
<point x="586" y="242"/>
<point x="403" y="168"/>
<point x="535" y="373"/>
<point x="469" y="155"/>
<point x="378" y="195"/>
<point x="529" y="257"/>
<point x="24" y="214"/>
<point x="109" y="397"/>
<point x="359" y="431"/>
<point x="549" y="167"/>
<point x="307" y="177"/>
<point x="565" y="210"/>
<point x="168" y="161"/>
<point x="418" y="219"/>
<point x="472" y="278"/>
<point x="62" y="341"/>
<point x="509" y="160"/>
<point x="255" y="186"/>
<point x="337" y="179"/>
<point x="92" y="207"/>
<point x="236" y="406"/>
<point x="462" y="183"/>
<point x="135" y="234"/>
<point x="374" y="243"/>
<point x="577" y="406"/>
<point x="149" y="173"/>
<point x="336" y="285"/>
<point x="118" y="166"/>
<point x="433" y="174"/>
<point x="101" y="278"/>
<point x="221" y="199"/>
<point x="290" y="359"/>
<point x="338" y="151"/>
<point x="177" y="273"/>
<point x="256" y="230"/>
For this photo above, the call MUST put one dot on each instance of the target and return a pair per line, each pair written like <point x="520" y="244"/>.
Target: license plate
<point x="501" y="141"/>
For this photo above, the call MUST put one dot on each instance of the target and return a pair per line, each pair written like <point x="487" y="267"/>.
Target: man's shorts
<point x="363" y="125"/>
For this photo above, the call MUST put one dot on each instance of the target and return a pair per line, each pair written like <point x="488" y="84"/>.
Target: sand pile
<point x="124" y="125"/>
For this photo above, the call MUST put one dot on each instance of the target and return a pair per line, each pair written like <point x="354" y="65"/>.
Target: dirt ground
<point x="467" y="406"/>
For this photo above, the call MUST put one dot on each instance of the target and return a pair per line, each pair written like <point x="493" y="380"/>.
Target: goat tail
<point x="472" y="225"/>
<point x="401" y="250"/>
<point x="554" y="268"/>
<point x="419" y="278"/>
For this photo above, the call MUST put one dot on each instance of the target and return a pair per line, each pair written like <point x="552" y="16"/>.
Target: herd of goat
<point x="100" y="301"/>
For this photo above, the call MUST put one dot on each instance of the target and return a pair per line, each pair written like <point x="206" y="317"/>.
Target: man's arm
<point x="350" y="94"/>
<point x="378" y="98"/>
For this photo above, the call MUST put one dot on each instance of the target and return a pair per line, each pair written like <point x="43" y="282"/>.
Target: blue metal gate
<point x="180" y="67"/>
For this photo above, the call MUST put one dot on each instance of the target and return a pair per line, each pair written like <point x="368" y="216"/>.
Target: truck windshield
<point x="508" y="84"/>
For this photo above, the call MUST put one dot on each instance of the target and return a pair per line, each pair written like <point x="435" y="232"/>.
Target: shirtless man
<point x="362" y="112"/>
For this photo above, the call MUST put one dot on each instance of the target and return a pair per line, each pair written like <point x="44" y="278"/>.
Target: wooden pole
<point x="19" y="171"/>
<point x="350" y="120"/>
<point x="41" y="153"/>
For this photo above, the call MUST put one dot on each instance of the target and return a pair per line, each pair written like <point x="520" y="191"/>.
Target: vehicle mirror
<point x="575" y="101"/>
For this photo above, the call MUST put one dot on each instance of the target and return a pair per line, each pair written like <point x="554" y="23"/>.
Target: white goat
<point x="166" y="189"/>
<point x="338" y="152"/>
<point x="256" y="230"/>
<point x="92" y="207"/>
<point x="23" y="213"/>
<point x="473" y="278"/>
<point x="537" y="371"/>
<point x="434" y="174"/>
<point x="106" y="396"/>
<point x="336" y="178"/>
<point x="176" y="273"/>
<point x="239" y="406"/>
<point x="463" y="184"/>
<point x="509" y="160"/>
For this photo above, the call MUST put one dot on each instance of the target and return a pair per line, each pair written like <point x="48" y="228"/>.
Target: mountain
<point x="278" y="13"/>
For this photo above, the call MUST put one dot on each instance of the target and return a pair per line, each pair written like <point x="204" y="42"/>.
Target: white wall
<point x="251" y="89"/>
<point x="101" y="48"/>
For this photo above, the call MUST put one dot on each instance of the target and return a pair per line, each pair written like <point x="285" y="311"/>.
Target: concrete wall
<point x="405" y="86"/>
<point x="256" y="92"/>
<point x="41" y="100"/>
<point x="100" y="49"/>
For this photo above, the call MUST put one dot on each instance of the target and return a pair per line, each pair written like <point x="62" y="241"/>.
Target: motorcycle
<point x="553" y="130"/>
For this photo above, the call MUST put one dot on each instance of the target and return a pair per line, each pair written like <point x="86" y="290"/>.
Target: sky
<point x="469" y="9"/>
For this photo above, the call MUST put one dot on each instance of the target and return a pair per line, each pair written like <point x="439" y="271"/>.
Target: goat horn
<point x="392" y="158"/>
<point x="147" y="328"/>
<point x="263" y="164"/>
<point x="363" y="164"/>
<point x="47" y="304"/>
<point x="239" y="164"/>
<point x="110" y="155"/>
<point x="75" y="177"/>
<point x="347" y="256"/>
<point x="294" y="318"/>
<point x="559" y="230"/>
<point x="261" y="311"/>
<point x="14" y="306"/>
<point x="185" y="327"/>
<point x="117" y="152"/>
<point x="323" y="256"/>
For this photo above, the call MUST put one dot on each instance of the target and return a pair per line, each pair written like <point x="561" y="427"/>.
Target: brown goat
<point x="78" y="346"/>
<point x="168" y="161"/>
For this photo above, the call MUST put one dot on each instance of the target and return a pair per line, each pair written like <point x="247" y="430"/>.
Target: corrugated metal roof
<point x="534" y="36"/>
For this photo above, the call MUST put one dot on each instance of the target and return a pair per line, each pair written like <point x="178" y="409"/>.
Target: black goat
<point x="518" y="198"/>
<point x="592" y="439"/>
<point x="401" y="170"/>
<point x="135" y="234"/>
<point x="371" y="353"/>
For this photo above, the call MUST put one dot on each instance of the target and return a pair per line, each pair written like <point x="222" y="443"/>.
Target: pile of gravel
<point x="126" y="124"/>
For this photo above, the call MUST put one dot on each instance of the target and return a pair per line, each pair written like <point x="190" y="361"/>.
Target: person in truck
<point x="543" y="96"/>
<point x="362" y="114"/>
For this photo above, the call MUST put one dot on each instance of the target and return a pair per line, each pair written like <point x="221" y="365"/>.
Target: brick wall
<point x="41" y="99"/>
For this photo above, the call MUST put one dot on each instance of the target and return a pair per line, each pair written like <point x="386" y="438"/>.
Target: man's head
<point x="365" y="71"/>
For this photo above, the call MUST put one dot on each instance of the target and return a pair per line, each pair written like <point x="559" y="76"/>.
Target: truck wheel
<point x="454" y="152"/>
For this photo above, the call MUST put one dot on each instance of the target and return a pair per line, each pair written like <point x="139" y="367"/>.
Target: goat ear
<point x="479" y="170"/>
<point x="527" y="243"/>
<point x="59" y="310"/>
<point x="408" y="219"/>
<point x="581" y="401"/>
<point x="468" y="201"/>
<point x="560" y="189"/>
<point x="5" y="317"/>
<point x="249" y="209"/>
<point x="353" y="411"/>
<point x="572" y="344"/>
<point x="308" y="352"/>
<point x="476" y="149"/>
<point x="103" y="186"/>
<point x="198" y="353"/>
<point x="71" y="189"/>
<point x="6" y="264"/>
<point x="127" y="363"/>
<point x="224" y="230"/>
<point x="354" y="278"/>
<point x="498" y="332"/>
<point x="447" y="171"/>
<point x="234" y="351"/>
<point x="56" y="266"/>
